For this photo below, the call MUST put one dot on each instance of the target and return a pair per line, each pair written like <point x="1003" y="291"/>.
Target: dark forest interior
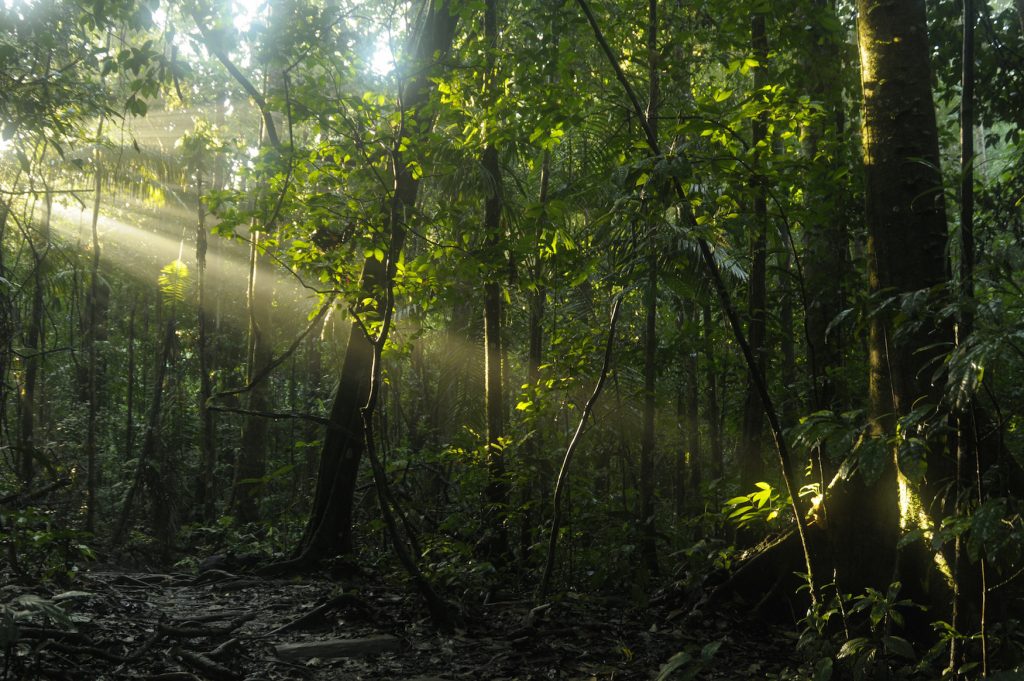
<point x="511" y="339"/>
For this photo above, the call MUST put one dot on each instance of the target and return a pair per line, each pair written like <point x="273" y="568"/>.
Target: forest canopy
<point x="714" y="308"/>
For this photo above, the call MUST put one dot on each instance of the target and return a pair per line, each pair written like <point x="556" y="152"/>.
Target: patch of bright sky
<point x="382" y="61"/>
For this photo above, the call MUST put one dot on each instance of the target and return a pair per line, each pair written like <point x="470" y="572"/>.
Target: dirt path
<point x="226" y="627"/>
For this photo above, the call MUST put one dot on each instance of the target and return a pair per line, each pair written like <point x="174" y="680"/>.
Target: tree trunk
<point x="205" y="495"/>
<point x="906" y="222"/>
<point x="497" y="492"/>
<point x="250" y="466"/>
<point x="329" y="530"/>
<point x="751" y="462"/>
<point x="129" y="407"/>
<point x="34" y="342"/>
<point x="825" y="261"/>
<point x="712" y="413"/>
<point x="690" y="413"/>
<point x="95" y="310"/>
<point x="648" y="545"/>
<point x="145" y="470"/>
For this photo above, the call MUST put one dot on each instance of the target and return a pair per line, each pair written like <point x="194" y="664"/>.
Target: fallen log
<point x="338" y="647"/>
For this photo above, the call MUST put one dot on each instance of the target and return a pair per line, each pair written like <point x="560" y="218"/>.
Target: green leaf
<point x="674" y="663"/>
<point x="173" y="280"/>
<point x="823" y="669"/>
<point x="852" y="647"/>
<point x="722" y="95"/>
<point x="899" y="646"/>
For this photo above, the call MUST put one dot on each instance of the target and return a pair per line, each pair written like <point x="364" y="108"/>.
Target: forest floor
<point x="232" y="627"/>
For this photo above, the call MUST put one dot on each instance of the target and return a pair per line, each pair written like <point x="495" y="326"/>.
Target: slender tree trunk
<point x="712" y="412"/>
<point x="691" y="412"/>
<point x="145" y="471"/>
<point x="34" y="344"/>
<point x="968" y="457"/>
<point x="250" y="466"/>
<point x="498" y="488"/>
<point x="94" y="310"/>
<point x="825" y="262"/>
<point x="7" y="328"/>
<point x="129" y="407"/>
<point x="329" y="530"/>
<point x="648" y="545"/>
<point x="205" y="497"/>
<point x="751" y="462"/>
<point x="791" y="403"/>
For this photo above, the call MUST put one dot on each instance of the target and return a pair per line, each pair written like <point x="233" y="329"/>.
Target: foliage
<point x="759" y="508"/>
<point x="151" y="105"/>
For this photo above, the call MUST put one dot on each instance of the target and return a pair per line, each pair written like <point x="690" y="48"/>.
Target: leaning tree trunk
<point x="329" y="530"/>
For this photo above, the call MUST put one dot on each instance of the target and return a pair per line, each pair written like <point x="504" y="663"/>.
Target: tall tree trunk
<point x="250" y="466"/>
<point x="34" y="342"/>
<point x="205" y="496"/>
<point x="498" y="488"/>
<point x="129" y="407"/>
<point x="712" y="413"/>
<point x="691" y="411"/>
<point x="648" y="545"/>
<point x="906" y="222"/>
<point x="968" y="457"/>
<point x="751" y="463"/>
<point x="146" y="469"/>
<point x="329" y="530"/>
<point x="95" y="310"/>
<point x="825" y="262"/>
<point x="787" y="343"/>
<point x="7" y="327"/>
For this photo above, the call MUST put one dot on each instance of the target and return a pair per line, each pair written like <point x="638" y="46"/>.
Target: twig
<point x="204" y="665"/>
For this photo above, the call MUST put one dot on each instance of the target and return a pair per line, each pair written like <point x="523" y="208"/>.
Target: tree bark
<point x="145" y="470"/>
<point x="250" y="467"/>
<point x="713" y="412"/>
<point x="906" y="222"/>
<point x="205" y="497"/>
<point x="825" y="262"/>
<point x="497" y="493"/>
<point x="329" y="530"/>
<point x="34" y="342"/>
<point x="95" y="310"/>
<point x="751" y="462"/>
<point x="648" y="545"/>
<point x="691" y="415"/>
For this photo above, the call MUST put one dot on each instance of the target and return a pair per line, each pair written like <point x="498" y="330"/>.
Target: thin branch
<point x="280" y="359"/>
<point x="273" y="414"/>
<point x="222" y="56"/>
<point x="563" y="473"/>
